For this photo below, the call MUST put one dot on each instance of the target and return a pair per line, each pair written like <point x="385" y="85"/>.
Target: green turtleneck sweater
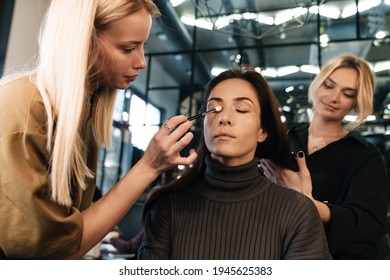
<point x="233" y="213"/>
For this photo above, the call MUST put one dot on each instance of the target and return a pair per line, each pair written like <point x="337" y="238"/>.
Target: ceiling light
<point x="178" y="57"/>
<point x="181" y="167"/>
<point x="380" y="34"/>
<point x="197" y="22"/>
<point x="348" y="11"/>
<point x="326" y="11"/>
<point x="289" y="89"/>
<point x="249" y="16"/>
<point x="162" y="36"/>
<point x="215" y="71"/>
<point x="125" y="116"/>
<point x="269" y="72"/>
<point x="387" y="2"/>
<point x="311" y="69"/>
<point x="265" y="19"/>
<point x="324" y="40"/>
<point x="382" y="66"/>
<point x="350" y="118"/>
<point x="221" y="22"/>
<point x="287" y="70"/>
<point x="287" y="15"/>
<point x="363" y="5"/>
<point x="176" y="3"/>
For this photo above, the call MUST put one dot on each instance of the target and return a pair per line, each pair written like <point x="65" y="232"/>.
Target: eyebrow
<point x="346" y="88"/>
<point x="218" y="99"/>
<point x="134" y="42"/>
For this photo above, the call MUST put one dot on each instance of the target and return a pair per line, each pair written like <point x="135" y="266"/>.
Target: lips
<point x="130" y="79"/>
<point x="224" y="135"/>
<point x="329" y="107"/>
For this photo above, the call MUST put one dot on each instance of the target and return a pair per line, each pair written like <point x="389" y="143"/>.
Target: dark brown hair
<point x="275" y="147"/>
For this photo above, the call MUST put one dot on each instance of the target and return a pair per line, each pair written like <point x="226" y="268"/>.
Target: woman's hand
<point x="299" y="181"/>
<point x="164" y="149"/>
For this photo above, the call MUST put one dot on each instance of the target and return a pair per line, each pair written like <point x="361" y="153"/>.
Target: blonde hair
<point x="67" y="49"/>
<point x="365" y="86"/>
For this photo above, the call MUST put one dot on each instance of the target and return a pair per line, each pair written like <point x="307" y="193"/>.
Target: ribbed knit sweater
<point x="233" y="213"/>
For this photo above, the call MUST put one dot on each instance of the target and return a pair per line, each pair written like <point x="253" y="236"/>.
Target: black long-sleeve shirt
<point x="233" y="213"/>
<point x="350" y="175"/>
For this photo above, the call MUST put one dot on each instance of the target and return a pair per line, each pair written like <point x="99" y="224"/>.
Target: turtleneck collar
<point x="231" y="183"/>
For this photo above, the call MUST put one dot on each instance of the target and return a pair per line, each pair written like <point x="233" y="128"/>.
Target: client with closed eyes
<point x="223" y="208"/>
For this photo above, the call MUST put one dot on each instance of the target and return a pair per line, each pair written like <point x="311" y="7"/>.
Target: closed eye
<point x="328" y="85"/>
<point x="127" y="50"/>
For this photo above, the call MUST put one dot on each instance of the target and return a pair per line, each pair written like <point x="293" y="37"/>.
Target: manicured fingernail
<point x="300" y="154"/>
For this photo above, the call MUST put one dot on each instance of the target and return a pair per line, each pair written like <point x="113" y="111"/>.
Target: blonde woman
<point x="341" y="172"/>
<point x="52" y="119"/>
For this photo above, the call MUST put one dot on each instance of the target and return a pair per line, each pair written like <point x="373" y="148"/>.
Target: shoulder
<point x="290" y="198"/>
<point x="21" y="107"/>
<point x="359" y="143"/>
<point x="168" y="195"/>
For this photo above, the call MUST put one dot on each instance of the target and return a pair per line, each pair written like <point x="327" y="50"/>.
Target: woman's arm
<point x="162" y="153"/>
<point x="299" y="181"/>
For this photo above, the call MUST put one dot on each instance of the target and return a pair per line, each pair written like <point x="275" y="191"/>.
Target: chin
<point x="122" y="86"/>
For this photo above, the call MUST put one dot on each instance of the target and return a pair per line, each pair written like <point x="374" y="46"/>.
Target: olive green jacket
<point x="31" y="225"/>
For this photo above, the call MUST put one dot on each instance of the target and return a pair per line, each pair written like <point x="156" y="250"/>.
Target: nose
<point x="224" y="118"/>
<point x="140" y="62"/>
<point x="334" y="96"/>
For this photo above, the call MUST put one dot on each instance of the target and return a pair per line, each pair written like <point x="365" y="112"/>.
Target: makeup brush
<point x="216" y="109"/>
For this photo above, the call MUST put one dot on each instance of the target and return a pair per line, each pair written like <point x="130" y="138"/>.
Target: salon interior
<point x="194" y="40"/>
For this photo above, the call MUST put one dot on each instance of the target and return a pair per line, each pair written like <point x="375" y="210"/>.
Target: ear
<point x="262" y="136"/>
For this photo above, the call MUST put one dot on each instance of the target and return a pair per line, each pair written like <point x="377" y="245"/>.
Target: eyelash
<point x="349" y="95"/>
<point x="328" y="86"/>
<point x="346" y="94"/>
<point x="127" y="50"/>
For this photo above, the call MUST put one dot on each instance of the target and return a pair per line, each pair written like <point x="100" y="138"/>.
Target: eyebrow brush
<point x="216" y="109"/>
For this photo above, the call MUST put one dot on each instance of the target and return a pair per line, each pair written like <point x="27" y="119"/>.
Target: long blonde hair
<point x="67" y="50"/>
<point x="366" y="83"/>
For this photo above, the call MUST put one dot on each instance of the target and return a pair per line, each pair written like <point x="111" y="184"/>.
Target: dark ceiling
<point x="268" y="34"/>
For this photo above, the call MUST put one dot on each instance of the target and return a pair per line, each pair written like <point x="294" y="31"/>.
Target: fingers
<point x="304" y="175"/>
<point x="301" y="161"/>
<point x="164" y="149"/>
<point x="170" y="125"/>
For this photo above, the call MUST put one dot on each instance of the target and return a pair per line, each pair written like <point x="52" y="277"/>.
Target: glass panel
<point x="374" y="18"/>
<point x="226" y="24"/>
<point x="118" y="110"/>
<point x="168" y="34"/>
<point x="338" y="20"/>
<point x="144" y="120"/>
<point x="165" y="65"/>
<point x="359" y="48"/>
<point x="141" y="81"/>
<point x="166" y="100"/>
<point x="110" y="158"/>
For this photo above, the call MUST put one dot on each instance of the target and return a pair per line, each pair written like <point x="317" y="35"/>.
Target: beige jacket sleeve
<point x="31" y="225"/>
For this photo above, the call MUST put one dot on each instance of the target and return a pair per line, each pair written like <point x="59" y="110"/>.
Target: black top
<point x="233" y="213"/>
<point x="349" y="175"/>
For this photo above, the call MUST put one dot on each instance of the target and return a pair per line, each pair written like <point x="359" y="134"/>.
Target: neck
<point x="321" y="128"/>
